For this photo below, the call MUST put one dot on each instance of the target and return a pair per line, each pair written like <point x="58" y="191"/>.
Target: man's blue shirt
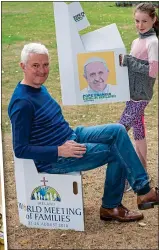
<point x="38" y="126"/>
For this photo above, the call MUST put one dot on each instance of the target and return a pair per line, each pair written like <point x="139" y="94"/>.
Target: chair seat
<point x="48" y="201"/>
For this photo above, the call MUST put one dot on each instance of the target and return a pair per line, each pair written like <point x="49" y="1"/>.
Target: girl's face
<point x="143" y="21"/>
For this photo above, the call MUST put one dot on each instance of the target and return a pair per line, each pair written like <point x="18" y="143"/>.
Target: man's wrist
<point x="59" y="150"/>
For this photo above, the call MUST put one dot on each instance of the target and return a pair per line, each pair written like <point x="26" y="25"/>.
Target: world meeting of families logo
<point x="45" y="208"/>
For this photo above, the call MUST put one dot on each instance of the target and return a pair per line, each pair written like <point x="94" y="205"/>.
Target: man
<point x="96" y="74"/>
<point x="41" y="133"/>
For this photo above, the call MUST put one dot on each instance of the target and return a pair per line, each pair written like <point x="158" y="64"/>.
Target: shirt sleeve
<point x="150" y="69"/>
<point x="135" y="66"/>
<point x="153" y="58"/>
<point x="21" y="115"/>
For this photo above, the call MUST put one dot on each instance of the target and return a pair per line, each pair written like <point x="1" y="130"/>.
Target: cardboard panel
<point x="105" y="38"/>
<point x="78" y="15"/>
<point x="48" y="201"/>
<point x="101" y="40"/>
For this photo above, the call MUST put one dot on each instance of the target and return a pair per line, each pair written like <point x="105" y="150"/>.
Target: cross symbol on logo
<point x="44" y="181"/>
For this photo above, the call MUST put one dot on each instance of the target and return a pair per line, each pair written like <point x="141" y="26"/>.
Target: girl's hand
<point x="121" y="59"/>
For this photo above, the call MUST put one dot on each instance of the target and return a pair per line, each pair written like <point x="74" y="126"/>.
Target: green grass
<point x="10" y="39"/>
<point x="23" y="22"/>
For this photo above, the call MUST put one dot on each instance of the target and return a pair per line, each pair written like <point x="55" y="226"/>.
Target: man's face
<point x="36" y="69"/>
<point x="96" y="75"/>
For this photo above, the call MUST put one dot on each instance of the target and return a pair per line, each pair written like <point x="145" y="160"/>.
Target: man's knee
<point x="119" y="127"/>
<point x="116" y="129"/>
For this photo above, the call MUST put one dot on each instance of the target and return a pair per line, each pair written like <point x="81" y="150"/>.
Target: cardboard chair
<point x="74" y="50"/>
<point x="48" y="201"/>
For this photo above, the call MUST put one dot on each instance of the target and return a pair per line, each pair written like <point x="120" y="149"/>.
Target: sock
<point x="144" y="190"/>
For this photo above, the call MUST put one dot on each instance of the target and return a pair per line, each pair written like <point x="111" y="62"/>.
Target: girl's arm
<point x="151" y="68"/>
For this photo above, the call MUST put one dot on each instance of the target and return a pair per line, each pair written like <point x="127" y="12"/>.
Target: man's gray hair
<point x="35" y="48"/>
<point x="94" y="59"/>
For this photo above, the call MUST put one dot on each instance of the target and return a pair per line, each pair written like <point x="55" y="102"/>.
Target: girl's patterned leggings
<point x="133" y="117"/>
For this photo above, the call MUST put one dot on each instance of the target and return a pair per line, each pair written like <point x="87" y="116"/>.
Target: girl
<point x="142" y="66"/>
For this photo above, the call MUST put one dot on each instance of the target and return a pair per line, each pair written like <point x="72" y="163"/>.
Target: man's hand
<point x="72" y="149"/>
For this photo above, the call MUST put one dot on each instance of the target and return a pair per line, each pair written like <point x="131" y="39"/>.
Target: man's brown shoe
<point x="148" y="200"/>
<point x="120" y="213"/>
